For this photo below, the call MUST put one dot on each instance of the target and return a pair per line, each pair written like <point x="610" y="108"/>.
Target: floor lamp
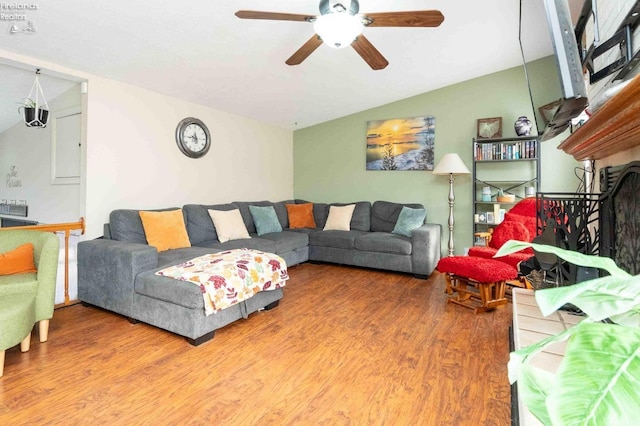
<point x="451" y="165"/>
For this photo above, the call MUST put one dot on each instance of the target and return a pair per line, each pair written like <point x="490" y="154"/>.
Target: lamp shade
<point x="451" y="164"/>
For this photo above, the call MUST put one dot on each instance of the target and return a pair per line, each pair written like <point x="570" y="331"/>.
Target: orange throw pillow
<point x="165" y="230"/>
<point x="18" y="260"/>
<point x="300" y="215"/>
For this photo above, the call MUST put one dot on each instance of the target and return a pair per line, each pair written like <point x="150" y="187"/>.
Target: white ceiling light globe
<point x="338" y="30"/>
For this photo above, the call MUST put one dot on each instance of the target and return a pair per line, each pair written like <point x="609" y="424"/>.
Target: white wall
<point x="132" y="160"/>
<point x="29" y="150"/>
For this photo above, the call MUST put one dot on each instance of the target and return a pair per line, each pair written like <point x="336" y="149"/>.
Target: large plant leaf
<point x="601" y="298"/>
<point x="518" y="358"/>
<point x="598" y="380"/>
<point x="576" y="258"/>
<point x="534" y="387"/>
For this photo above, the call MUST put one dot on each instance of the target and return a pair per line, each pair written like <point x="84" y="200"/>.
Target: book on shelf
<point x="484" y="151"/>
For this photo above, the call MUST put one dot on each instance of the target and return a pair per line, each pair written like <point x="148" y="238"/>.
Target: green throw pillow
<point x="266" y="219"/>
<point x="409" y="220"/>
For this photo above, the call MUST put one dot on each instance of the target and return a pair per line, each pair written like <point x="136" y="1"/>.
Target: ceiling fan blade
<point x="369" y="53"/>
<point x="420" y="18"/>
<point x="274" y="16"/>
<point x="303" y="53"/>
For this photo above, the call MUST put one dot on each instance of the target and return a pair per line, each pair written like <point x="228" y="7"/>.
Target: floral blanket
<point x="229" y="277"/>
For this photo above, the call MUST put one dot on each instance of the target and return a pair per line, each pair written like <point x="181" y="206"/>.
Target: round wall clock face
<point x="192" y="137"/>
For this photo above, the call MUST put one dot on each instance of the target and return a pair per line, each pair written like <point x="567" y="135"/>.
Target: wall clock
<point x="193" y="138"/>
<point x="489" y="127"/>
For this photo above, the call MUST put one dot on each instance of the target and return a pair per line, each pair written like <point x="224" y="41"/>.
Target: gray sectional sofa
<point x="117" y="272"/>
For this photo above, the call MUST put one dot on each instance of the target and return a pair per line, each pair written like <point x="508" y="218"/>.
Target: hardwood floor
<point x="345" y="346"/>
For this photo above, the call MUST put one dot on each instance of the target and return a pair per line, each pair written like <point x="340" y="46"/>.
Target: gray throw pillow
<point x="266" y="219"/>
<point x="408" y="220"/>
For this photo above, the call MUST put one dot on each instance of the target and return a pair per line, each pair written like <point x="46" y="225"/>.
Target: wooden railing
<point x="57" y="227"/>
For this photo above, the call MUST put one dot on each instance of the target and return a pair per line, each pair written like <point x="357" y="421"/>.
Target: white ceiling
<point x="199" y="51"/>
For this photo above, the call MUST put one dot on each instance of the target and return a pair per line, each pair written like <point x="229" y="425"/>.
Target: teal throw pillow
<point x="409" y="220"/>
<point x="266" y="219"/>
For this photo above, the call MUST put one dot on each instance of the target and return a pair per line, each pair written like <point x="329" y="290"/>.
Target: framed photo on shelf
<point x="489" y="128"/>
<point x="490" y="217"/>
<point x="547" y="111"/>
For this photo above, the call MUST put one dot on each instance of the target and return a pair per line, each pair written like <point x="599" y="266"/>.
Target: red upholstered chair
<point x="519" y="224"/>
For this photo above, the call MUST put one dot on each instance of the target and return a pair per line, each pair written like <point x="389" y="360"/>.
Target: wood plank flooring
<point x="346" y="346"/>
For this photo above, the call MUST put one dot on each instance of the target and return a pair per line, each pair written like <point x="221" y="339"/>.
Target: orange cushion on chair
<point x="478" y="269"/>
<point x="18" y="260"/>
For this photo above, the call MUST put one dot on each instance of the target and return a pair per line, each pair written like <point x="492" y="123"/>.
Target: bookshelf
<point x="505" y="171"/>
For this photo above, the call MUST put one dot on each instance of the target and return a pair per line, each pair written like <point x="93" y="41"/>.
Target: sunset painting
<point x="401" y="144"/>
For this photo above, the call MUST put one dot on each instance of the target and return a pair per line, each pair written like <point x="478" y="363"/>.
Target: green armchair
<point x="41" y="284"/>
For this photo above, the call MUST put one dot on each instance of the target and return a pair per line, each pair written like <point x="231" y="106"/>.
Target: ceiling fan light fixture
<point x="338" y="30"/>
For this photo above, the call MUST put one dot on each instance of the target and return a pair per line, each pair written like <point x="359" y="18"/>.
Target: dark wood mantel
<point x="615" y="127"/>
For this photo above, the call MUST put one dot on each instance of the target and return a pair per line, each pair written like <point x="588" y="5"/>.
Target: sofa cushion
<point x="165" y="230"/>
<point x="320" y="213"/>
<point x="125" y="225"/>
<point x="170" y="290"/>
<point x="281" y="212"/>
<point x="337" y="239"/>
<point x="384" y="215"/>
<point x="199" y="224"/>
<point x="300" y="215"/>
<point x="361" y="219"/>
<point x="255" y="243"/>
<point x="339" y="218"/>
<point x="384" y="242"/>
<point x="409" y="220"/>
<point x="265" y="219"/>
<point x="229" y="225"/>
<point x="307" y="231"/>
<point x="287" y="241"/>
<point x="17" y="261"/>
<point x="176" y="256"/>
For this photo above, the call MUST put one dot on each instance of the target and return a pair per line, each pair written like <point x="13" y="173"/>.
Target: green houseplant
<point x="598" y="381"/>
<point x="34" y="115"/>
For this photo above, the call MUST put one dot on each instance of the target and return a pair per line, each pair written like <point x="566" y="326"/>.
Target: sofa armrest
<point x="107" y="270"/>
<point x="425" y="251"/>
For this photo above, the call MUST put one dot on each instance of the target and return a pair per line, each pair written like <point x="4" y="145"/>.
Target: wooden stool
<point x="17" y="317"/>
<point x="476" y="279"/>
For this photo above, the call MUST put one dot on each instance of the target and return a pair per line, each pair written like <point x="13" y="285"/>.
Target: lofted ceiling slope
<point x="199" y="51"/>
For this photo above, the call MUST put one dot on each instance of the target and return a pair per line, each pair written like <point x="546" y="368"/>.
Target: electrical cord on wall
<point x="586" y="176"/>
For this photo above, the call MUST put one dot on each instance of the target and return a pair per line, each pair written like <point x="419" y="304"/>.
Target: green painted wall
<point x="329" y="158"/>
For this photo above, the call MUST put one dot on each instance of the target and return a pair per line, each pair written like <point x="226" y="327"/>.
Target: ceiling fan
<point x="339" y="26"/>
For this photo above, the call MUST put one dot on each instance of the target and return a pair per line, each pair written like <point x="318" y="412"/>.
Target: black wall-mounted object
<point x="623" y="38"/>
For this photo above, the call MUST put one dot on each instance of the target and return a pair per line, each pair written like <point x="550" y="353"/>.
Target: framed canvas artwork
<point x="401" y="143"/>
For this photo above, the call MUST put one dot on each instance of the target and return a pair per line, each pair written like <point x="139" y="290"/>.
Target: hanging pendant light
<point x="35" y="109"/>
